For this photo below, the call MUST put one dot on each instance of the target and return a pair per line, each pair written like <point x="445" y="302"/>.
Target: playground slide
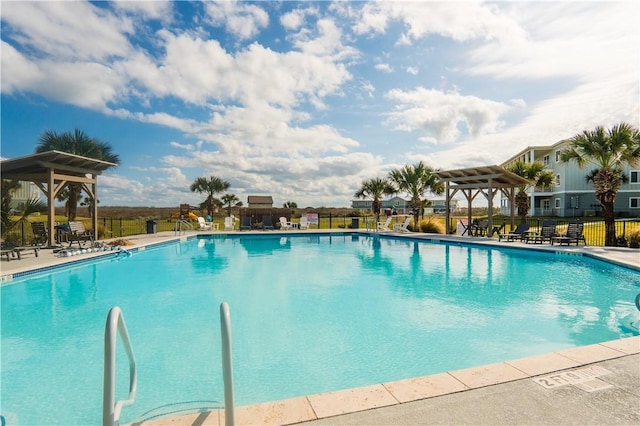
<point x="191" y="216"/>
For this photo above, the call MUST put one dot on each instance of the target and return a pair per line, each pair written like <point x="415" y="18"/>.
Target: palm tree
<point x="415" y="180"/>
<point x="539" y="177"/>
<point x="211" y="185"/>
<point x="230" y="200"/>
<point x="88" y="203"/>
<point x="290" y="205"/>
<point x="78" y="143"/>
<point x="375" y="189"/>
<point x="608" y="150"/>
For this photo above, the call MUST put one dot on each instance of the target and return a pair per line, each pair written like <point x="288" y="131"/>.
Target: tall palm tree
<point x="210" y="186"/>
<point x="375" y="189"/>
<point x="230" y="200"/>
<point x="78" y="143"/>
<point x="415" y="180"/>
<point x="609" y="150"/>
<point x="539" y="177"/>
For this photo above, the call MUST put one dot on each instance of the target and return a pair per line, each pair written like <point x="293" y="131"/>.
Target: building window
<point x="545" y="160"/>
<point x="634" y="176"/>
<point x="634" y="202"/>
<point x="557" y="156"/>
<point x="557" y="201"/>
<point x="546" y="204"/>
<point x="557" y="180"/>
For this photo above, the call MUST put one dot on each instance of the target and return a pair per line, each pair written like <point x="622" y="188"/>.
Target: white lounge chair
<point x="284" y="224"/>
<point x="204" y="225"/>
<point x="304" y="222"/>
<point x="403" y="227"/>
<point x="384" y="226"/>
<point x="229" y="223"/>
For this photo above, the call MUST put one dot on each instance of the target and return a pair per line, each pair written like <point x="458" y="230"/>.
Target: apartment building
<point x="571" y="195"/>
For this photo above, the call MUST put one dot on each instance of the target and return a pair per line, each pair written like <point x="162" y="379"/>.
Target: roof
<point x="479" y="177"/>
<point x="41" y="163"/>
<point x="260" y="199"/>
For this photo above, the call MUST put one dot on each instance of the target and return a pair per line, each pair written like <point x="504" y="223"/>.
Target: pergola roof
<point x="24" y="168"/>
<point x="479" y="177"/>
<point x="51" y="171"/>
<point x="487" y="180"/>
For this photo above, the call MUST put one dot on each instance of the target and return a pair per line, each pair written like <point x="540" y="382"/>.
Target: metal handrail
<point x="177" y="229"/>
<point x="227" y="365"/>
<point x="110" y="408"/>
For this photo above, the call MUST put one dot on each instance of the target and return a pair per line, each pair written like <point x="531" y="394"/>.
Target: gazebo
<point x="51" y="171"/>
<point x="486" y="180"/>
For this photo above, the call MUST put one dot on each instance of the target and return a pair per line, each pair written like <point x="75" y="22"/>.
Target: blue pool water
<point x="309" y="314"/>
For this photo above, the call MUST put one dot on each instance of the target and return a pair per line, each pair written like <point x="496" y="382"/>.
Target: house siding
<point x="573" y="196"/>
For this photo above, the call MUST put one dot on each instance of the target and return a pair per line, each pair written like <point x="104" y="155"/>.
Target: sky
<point x="305" y="100"/>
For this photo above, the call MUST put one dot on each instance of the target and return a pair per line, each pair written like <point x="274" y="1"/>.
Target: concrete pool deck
<point x="596" y="384"/>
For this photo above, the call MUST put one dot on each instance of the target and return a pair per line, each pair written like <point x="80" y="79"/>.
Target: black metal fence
<point x="594" y="230"/>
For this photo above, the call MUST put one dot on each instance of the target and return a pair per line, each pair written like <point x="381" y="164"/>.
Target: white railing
<point x="110" y="408"/>
<point x="181" y="226"/>
<point x="227" y="365"/>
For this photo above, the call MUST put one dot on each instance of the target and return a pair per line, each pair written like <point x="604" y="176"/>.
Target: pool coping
<point x="330" y="404"/>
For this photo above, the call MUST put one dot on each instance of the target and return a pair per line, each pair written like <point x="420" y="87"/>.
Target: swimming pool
<point x="310" y="313"/>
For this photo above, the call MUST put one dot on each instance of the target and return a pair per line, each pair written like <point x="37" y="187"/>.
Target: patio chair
<point x="267" y="221"/>
<point x="304" y="222"/>
<point x="403" y="227"/>
<point x="480" y="229"/>
<point x="284" y="223"/>
<point x="464" y="226"/>
<point x="573" y="235"/>
<point x="384" y="226"/>
<point x="245" y="223"/>
<point x="77" y="233"/>
<point x="229" y="223"/>
<point x="204" y="225"/>
<point x="517" y="234"/>
<point x="40" y="234"/>
<point x="546" y="234"/>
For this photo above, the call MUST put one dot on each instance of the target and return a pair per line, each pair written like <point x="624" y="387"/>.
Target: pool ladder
<point x="182" y="226"/>
<point x="116" y="325"/>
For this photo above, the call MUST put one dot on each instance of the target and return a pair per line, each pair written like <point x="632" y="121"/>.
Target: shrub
<point x="427" y="225"/>
<point x="634" y="238"/>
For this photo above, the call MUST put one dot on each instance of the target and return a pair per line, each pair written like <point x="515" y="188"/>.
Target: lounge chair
<point x="546" y="234"/>
<point x="573" y="235"/>
<point x="403" y="227"/>
<point x="384" y="226"/>
<point x="267" y="221"/>
<point x="304" y="222"/>
<point x="284" y="223"/>
<point x="40" y="234"/>
<point x="245" y="223"/>
<point x="10" y="251"/>
<point x="77" y="233"/>
<point x="517" y="234"/>
<point x="229" y="223"/>
<point x="204" y="225"/>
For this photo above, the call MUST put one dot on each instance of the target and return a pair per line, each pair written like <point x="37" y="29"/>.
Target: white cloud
<point x="412" y="70"/>
<point x="384" y="68"/>
<point x="438" y="113"/>
<point x="242" y="20"/>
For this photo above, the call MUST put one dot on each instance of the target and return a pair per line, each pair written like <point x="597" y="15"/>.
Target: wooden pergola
<point x="51" y="171"/>
<point x="486" y="180"/>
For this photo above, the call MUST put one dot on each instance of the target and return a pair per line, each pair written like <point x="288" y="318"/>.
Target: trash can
<point x="152" y="227"/>
<point x="355" y="223"/>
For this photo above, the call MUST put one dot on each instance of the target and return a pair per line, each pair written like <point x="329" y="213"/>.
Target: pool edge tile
<point x="487" y="375"/>
<point x="628" y="345"/>
<point x="542" y="364"/>
<point x="346" y="401"/>
<point x="424" y="387"/>
<point x="591" y="353"/>
<point x="281" y="412"/>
